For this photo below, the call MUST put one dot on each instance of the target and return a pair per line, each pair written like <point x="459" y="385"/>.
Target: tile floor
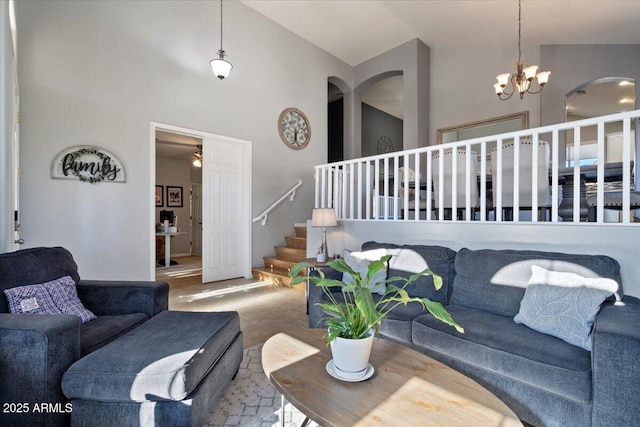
<point x="264" y="309"/>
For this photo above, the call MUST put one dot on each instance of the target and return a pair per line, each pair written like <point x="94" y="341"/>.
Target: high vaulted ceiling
<point x="357" y="30"/>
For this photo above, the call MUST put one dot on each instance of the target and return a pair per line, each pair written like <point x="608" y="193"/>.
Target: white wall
<point x="99" y="72"/>
<point x="619" y="242"/>
<point x="6" y="130"/>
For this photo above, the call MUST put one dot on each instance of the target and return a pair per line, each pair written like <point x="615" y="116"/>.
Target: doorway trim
<point x="246" y="215"/>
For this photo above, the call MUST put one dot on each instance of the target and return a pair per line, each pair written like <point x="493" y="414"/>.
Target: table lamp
<point x="324" y="217"/>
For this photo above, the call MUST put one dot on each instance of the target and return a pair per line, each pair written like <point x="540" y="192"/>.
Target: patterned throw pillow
<point x="31" y="299"/>
<point x="56" y="297"/>
<point x="359" y="262"/>
<point x="563" y="305"/>
<point x="64" y="294"/>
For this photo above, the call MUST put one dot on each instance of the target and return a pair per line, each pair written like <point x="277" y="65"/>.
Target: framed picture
<point x="174" y="197"/>
<point x="159" y="196"/>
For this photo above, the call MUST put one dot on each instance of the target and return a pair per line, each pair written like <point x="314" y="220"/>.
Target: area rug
<point x="251" y="400"/>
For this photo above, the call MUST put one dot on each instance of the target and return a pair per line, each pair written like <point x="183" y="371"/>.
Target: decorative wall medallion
<point x="87" y="164"/>
<point x="294" y="128"/>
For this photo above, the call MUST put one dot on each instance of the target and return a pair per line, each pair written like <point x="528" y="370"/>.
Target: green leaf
<point x="440" y="313"/>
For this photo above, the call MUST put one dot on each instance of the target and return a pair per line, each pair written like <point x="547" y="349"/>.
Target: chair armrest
<point x="104" y="297"/>
<point x="35" y="351"/>
<point x="316" y="315"/>
<point x="616" y="366"/>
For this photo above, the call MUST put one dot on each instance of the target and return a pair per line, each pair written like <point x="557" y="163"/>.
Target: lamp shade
<point x="220" y="67"/>
<point x="324" y="217"/>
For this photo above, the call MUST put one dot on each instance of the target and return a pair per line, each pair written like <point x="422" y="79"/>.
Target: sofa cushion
<point x="495" y="280"/>
<point x="410" y="259"/>
<point x="105" y="329"/>
<point x="34" y="265"/>
<point x="496" y="343"/>
<point x="163" y="359"/>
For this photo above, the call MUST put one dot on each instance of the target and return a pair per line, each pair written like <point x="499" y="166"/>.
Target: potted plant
<point x="357" y="317"/>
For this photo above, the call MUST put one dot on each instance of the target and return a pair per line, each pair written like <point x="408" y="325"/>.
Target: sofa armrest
<point x="35" y="351"/>
<point x="104" y="297"/>
<point x="616" y="366"/>
<point x="316" y="315"/>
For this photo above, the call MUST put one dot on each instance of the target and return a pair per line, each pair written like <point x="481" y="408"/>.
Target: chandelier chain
<point x="519" y="30"/>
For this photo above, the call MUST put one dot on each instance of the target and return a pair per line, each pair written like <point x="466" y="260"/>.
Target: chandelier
<point x="197" y="160"/>
<point x="220" y="66"/>
<point x="523" y="77"/>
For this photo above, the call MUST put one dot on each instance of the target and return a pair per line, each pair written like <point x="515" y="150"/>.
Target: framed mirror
<point x="493" y="126"/>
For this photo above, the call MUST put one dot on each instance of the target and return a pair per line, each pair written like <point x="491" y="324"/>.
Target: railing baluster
<point x="516" y="179"/>
<point x="626" y="169"/>
<point x="576" y="174"/>
<point x="454" y="184"/>
<point x="386" y="188"/>
<point x="396" y="191"/>
<point x="441" y="185"/>
<point x="600" y="178"/>
<point x="497" y="186"/>
<point x="351" y="190"/>
<point x="368" y="199"/>
<point x="378" y="212"/>
<point x="359" y="198"/>
<point x="483" y="180"/>
<point x="429" y="185"/>
<point x="554" y="175"/>
<point x="417" y="188"/>
<point x="534" y="177"/>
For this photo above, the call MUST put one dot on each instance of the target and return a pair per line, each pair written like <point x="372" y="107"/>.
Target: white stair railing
<point x="445" y="182"/>
<point x="291" y="193"/>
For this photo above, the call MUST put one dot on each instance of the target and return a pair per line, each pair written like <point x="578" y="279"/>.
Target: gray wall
<point x="375" y="124"/>
<point x="99" y="72"/>
<point x="410" y="59"/>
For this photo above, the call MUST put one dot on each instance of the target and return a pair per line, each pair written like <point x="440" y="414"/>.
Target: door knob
<point x="19" y="241"/>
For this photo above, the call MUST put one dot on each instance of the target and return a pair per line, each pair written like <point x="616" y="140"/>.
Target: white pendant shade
<point x="220" y="67"/>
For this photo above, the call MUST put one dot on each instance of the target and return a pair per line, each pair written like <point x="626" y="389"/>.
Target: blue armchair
<point x="36" y="350"/>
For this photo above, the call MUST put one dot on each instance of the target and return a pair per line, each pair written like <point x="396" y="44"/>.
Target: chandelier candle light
<point x="523" y="77"/>
<point x="324" y="218"/>
<point x="220" y="67"/>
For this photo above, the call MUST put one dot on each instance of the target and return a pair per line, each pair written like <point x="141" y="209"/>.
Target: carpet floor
<point x="251" y="400"/>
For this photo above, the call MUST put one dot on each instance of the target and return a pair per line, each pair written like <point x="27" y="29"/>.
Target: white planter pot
<point x="321" y="257"/>
<point x="350" y="356"/>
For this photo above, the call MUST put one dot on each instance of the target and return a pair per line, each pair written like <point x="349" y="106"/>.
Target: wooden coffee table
<point x="407" y="388"/>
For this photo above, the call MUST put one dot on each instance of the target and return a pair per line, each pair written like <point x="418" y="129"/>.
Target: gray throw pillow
<point x="563" y="305"/>
<point x="359" y="262"/>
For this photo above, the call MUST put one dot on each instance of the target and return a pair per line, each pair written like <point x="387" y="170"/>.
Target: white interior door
<point x="196" y="219"/>
<point x="226" y="212"/>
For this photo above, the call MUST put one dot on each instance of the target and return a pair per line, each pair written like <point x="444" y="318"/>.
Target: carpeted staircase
<point x="277" y="267"/>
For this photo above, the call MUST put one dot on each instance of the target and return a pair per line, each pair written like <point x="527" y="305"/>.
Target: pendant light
<point x="220" y="66"/>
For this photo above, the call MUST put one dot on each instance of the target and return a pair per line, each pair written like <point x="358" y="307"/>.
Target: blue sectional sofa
<point x="546" y="380"/>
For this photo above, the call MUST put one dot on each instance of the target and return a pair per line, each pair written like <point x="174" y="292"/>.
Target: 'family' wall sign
<point x="87" y="164"/>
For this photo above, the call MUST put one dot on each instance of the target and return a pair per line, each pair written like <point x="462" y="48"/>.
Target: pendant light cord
<point x="221" y="26"/>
